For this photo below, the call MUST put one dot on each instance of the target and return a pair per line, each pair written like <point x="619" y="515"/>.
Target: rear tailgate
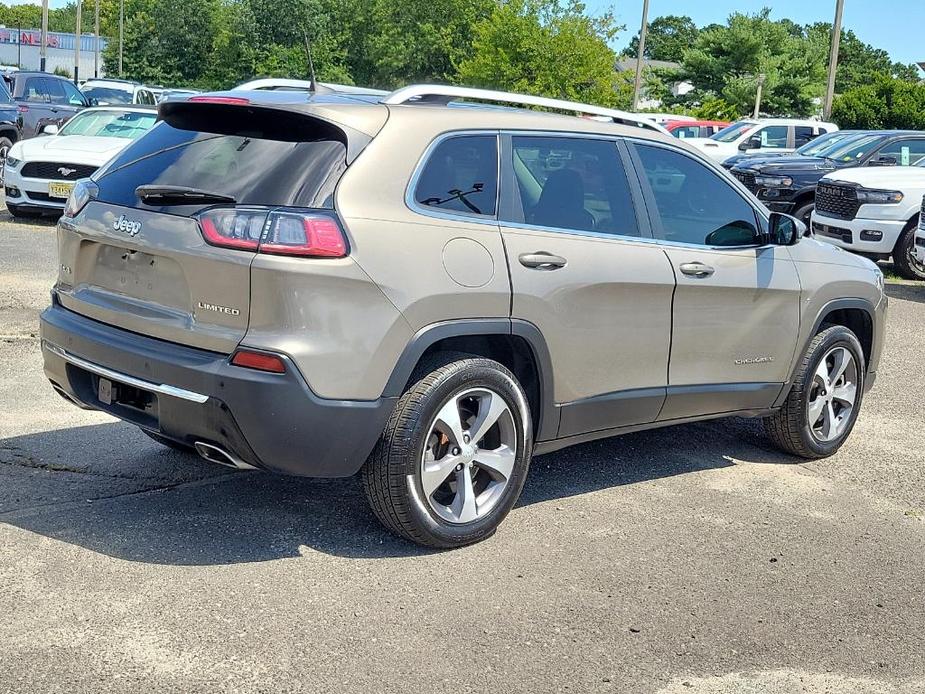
<point x="143" y="264"/>
<point x="162" y="280"/>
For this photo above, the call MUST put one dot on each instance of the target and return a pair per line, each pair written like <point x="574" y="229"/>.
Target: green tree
<point x="544" y="47"/>
<point x="725" y="62"/>
<point x="887" y="103"/>
<point x="667" y="38"/>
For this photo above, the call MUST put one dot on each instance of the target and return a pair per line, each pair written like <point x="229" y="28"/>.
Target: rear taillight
<point x="314" y="234"/>
<point x="233" y="228"/>
<point x="83" y="192"/>
<point x="304" y="234"/>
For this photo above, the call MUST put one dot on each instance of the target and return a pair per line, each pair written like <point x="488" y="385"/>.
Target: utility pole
<point x="77" y="44"/>
<point x="96" y="41"/>
<point x="642" y="48"/>
<point x="19" y="47"/>
<point x="833" y="59"/>
<point x="121" y="32"/>
<point x="43" y="49"/>
<point x="761" y="78"/>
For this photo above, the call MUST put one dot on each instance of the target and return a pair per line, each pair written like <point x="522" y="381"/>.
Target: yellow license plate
<point x="60" y="190"/>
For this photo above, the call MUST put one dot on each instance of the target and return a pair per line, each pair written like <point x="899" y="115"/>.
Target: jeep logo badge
<point x="126" y="226"/>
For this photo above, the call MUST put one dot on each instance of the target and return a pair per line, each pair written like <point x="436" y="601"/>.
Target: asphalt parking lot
<point x="693" y="559"/>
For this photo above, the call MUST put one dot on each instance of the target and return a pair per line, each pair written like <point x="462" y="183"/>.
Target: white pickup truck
<point x="874" y="212"/>
<point x="760" y="136"/>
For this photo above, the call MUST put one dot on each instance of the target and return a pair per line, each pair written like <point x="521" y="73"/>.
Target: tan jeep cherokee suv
<point x="430" y="291"/>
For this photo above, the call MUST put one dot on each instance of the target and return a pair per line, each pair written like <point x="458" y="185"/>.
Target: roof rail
<point x="444" y="94"/>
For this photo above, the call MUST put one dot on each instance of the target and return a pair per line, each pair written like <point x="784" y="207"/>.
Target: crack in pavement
<point x="40" y="508"/>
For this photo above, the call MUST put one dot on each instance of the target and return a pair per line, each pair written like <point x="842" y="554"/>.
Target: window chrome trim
<point x="118" y="377"/>
<point x="411" y="202"/>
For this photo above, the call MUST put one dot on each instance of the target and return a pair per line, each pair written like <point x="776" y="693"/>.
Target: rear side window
<point x="803" y="134"/>
<point x="461" y="176"/>
<point x="36" y="90"/>
<point x="252" y="170"/>
<point x="694" y="204"/>
<point x="572" y="183"/>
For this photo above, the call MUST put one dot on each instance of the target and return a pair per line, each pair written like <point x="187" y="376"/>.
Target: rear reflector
<point x="227" y="100"/>
<point x="259" y="361"/>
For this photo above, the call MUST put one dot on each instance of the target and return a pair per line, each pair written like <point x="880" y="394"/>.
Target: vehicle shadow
<point x="251" y="517"/>
<point x="906" y="292"/>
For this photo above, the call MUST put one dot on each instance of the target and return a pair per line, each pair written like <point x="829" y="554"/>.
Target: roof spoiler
<point x="230" y="114"/>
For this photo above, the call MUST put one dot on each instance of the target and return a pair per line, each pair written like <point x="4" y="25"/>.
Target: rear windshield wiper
<point x="155" y="194"/>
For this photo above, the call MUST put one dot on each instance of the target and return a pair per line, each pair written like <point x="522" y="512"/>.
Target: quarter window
<point x="461" y="176"/>
<point x="571" y="183"/>
<point x="696" y="205"/>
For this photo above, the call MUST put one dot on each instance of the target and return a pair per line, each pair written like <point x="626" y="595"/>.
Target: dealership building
<point x="23" y="48"/>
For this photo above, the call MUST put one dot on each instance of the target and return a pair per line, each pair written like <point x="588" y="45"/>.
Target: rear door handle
<point x="542" y="260"/>
<point x="697" y="269"/>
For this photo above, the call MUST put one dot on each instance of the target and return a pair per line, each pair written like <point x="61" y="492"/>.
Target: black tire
<point x="906" y="264"/>
<point x="5" y="144"/>
<point x="392" y="476"/>
<point x="170" y="443"/>
<point x="804" y="213"/>
<point x="790" y="428"/>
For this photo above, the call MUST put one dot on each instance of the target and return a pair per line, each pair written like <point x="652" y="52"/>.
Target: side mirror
<point x="883" y="161"/>
<point x="754" y="142"/>
<point x="785" y="230"/>
<point x="50" y="129"/>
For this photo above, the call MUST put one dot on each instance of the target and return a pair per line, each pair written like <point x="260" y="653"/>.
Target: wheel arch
<point x="10" y="132"/>
<point x="855" y="314"/>
<point x="518" y="345"/>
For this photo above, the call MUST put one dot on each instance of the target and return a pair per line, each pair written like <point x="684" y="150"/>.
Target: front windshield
<point x="126" y="124"/>
<point x="108" y="95"/>
<point x="824" y="143"/>
<point x="732" y="132"/>
<point x="854" y="149"/>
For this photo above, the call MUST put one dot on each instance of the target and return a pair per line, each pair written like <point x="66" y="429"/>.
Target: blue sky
<point x="893" y="25"/>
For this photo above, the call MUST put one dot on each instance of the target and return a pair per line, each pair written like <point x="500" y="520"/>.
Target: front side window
<point x="461" y="176"/>
<point x="73" y="95"/>
<point x="572" y="183"/>
<point x="773" y="137"/>
<point x="695" y="205"/>
<point x="905" y="152"/>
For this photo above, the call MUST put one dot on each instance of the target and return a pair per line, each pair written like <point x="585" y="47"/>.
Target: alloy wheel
<point x="833" y="394"/>
<point x="469" y="455"/>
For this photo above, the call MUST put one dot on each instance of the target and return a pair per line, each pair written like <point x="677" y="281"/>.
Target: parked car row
<point x="856" y="189"/>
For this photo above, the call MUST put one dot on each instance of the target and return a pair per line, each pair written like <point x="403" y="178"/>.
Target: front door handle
<point x="542" y="260"/>
<point x="697" y="269"/>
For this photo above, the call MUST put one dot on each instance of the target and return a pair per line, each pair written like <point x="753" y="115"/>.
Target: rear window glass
<point x="461" y="176"/>
<point x="252" y="170"/>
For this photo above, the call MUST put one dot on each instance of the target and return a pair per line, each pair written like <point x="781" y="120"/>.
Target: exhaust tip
<point x="214" y="454"/>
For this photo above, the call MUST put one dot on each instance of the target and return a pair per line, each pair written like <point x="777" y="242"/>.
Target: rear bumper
<point x="270" y="421"/>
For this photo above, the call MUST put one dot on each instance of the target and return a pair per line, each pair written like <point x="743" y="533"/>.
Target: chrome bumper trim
<point x="161" y="388"/>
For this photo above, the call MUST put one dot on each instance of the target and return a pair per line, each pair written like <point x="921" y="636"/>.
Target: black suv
<point x="9" y="127"/>
<point x="44" y="99"/>
<point x="788" y="184"/>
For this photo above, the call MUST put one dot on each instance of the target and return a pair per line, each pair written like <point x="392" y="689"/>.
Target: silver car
<point x="428" y="291"/>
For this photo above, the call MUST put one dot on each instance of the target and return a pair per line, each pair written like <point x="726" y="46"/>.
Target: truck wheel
<point x="452" y="460"/>
<point x="825" y="398"/>
<point x="907" y="265"/>
<point x="804" y="213"/>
